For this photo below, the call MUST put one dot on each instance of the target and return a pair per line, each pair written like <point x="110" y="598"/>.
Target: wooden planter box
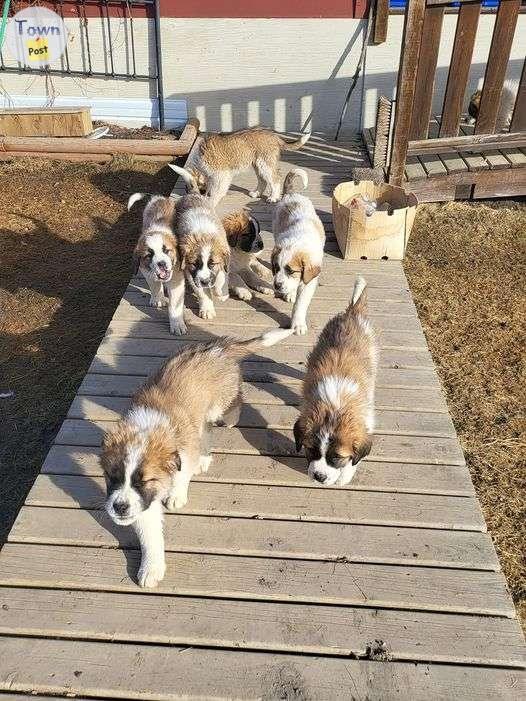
<point x="383" y="234"/>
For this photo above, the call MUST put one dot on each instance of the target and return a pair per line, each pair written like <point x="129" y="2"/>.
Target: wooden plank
<point x="278" y="503"/>
<point x="45" y="121"/>
<point x="518" y="120"/>
<point x="260" y="625"/>
<point x="381" y="20"/>
<point x="165" y="347"/>
<point x="468" y="143"/>
<point x="414" y="170"/>
<point x="276" y="417"/>
<point x="433" y="165"/>
<point x="369" y="143"/>
<point x="200" y="673"/>
<point x="264" y="579"/>
<point x="253" y="371"/>
<point x="414" y="547"/>
<point x="426" y="70"/>
<point x="291" y="471"/>
<point x="466" y="31"/>
<point x="453" y="162"/>
<point x="407" y="76"/>
<point x="496" y="160"/>
<point x="496" y="66"/>
<point x="257" y="441"/>
<point x="488" y="183"/>
<point x="516" y="157"/>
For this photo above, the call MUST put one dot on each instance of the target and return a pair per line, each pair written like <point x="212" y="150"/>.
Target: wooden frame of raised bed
<point x="99" y="150"/>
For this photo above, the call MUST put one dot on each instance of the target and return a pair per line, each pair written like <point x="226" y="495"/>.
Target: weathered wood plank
<point x="518" y="119"/>
<point x="257" y="441"/>
<point x="414" y="170"/>
<point x="291" y="471"/>
<point x="276" y="417"/>
<point x="496" y="65"/>
<point x="258" y="578"/>
<point x="200" y="673"/>
<point x="277" y="503"/>
<point x="466" y="31"/>
<point x="415" y="547"/>
<point x="261" y="626"/>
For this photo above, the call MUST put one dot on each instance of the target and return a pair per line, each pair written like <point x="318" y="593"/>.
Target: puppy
<point x="297" y="256"/>
<point x="219" y="157"/>
<point x="157" y="259"/>
<point x="337" y="413"/>
<point x="244" y="238"/>
<point x="505" y="111"/>
<point x="203" y="246"/>
<point x="161" y="443"/>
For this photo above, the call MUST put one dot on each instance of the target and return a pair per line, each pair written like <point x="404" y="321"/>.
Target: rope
<point x="3" y="26"/>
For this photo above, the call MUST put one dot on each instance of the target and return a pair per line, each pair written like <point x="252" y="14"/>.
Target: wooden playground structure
<point x="441" y="157"/>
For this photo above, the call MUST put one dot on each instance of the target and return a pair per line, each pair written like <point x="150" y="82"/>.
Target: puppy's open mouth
<point x="163" y="274"/>
<point x="124" y="521"/>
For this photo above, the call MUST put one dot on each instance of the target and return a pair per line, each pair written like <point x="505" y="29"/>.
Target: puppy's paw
<point x="222" y="298"/>
<point x="291" y="298"/>
<point x="273" y="198"/>
<point x="254" y="194"/>
<point x="151" y="573"/>
<point x="207" y="312"/>
<point x="265" y="290"/>
<point x="158" y="302"/>
<point x="178" y="327"/>
<point x="176" y="500"/>
<point x="204" y="463"/>
<point x="300" y="329"/>
<point x="242" y="293"/>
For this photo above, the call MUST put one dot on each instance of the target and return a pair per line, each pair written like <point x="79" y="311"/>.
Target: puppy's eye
<point x="289" y="271"/>
<point x="166" y="250"/>
<point x="150" y="482"/>
<point x="150" y="253"/>
<point x="214" y="263"/>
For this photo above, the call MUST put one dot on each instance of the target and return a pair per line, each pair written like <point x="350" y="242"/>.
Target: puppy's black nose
<point x="121" y="507"/>
<point x="278" y="286"/>
<point x="320" y="477"/>
<point x="162" y="264"/>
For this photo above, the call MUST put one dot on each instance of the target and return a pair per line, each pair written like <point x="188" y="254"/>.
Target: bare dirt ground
<point x="466" y="267"/>
<point x="66" y="243"/>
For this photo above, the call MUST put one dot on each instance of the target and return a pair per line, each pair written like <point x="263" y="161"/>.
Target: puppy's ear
<point x="299" y="434"/>
<point x="309" y="271"/>
<point x="137" y="253"/>
<point x="254" y="225"/>
<point x="362" y="450"/>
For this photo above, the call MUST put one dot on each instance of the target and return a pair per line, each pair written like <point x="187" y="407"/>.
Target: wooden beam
<point x="425" y="79"/>
<point x="405" y="93"/>
<point x="381" y="20"/>
<point x="518" y="121"/>
<point x="496" y="66"/>
<point x="472" y="143"/>
<point x="459" y="67"/>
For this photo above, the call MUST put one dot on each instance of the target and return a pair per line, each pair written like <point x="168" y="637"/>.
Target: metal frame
<point x="128" y="6"/>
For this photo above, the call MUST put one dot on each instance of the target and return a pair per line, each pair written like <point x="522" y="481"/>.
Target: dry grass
<point x="65" y="242"/>
<point x="466" y="269"/>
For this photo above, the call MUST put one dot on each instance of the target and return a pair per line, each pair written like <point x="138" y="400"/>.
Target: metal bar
<point x="109" y="37"/>
<point x="59" y="71"/>
<point x="132" y="36"/>
<point x="66" y="54"/>
<point x="86" y="32"/>
<point x="159" y="64"/>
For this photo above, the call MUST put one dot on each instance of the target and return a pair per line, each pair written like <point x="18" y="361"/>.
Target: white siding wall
<point x="237" y="72"/>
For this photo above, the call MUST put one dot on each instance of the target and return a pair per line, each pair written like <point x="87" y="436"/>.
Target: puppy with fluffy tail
<point x="337" y="415"/>
<point x="161" y="443"/>
<point x="156" y="256"/>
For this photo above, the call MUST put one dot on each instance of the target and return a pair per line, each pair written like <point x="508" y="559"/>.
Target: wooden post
<point x="425" y="79"/>
<point x="460" y="64"/>
<point x="496" y="66"/>
<point x="405" y="92"/>
<point x="518" y="121"/>
<point x="381" y="19"/>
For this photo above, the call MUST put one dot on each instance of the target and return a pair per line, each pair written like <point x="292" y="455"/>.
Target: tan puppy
<point x="246" y="272"/>
<point x="161" y="443"/>
<point x="203" y="246"/>
<point x="219" y="157"/>
<point x="505" y="111"/>
<point x="157" y="258"/>
<point x="297" y="257"/>
<point x="337" y="414"/>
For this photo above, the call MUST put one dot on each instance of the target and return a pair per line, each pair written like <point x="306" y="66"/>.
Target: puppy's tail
<point x="358" y="304"/>
<point x="190" y="181"/>
<point x="295" y="145"/>
<point x="135" y="198"/>
<point x="288" y="184"/>
<point x="240" y="349"/>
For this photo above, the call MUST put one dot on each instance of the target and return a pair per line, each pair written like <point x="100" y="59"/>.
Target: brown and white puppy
<point x="218" y="157"/>
<point x="203" y="246"/>
<point x="297" y="256"/>
<point x="337" y="414"/>
<point x="156" y="257"/>
<point x="161" y="443"/>
<point x="246" y="272"/>
<point x="505" y="111"/>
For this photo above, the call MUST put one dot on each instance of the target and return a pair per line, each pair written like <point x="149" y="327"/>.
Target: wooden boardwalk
<point x="276" y="588"/>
